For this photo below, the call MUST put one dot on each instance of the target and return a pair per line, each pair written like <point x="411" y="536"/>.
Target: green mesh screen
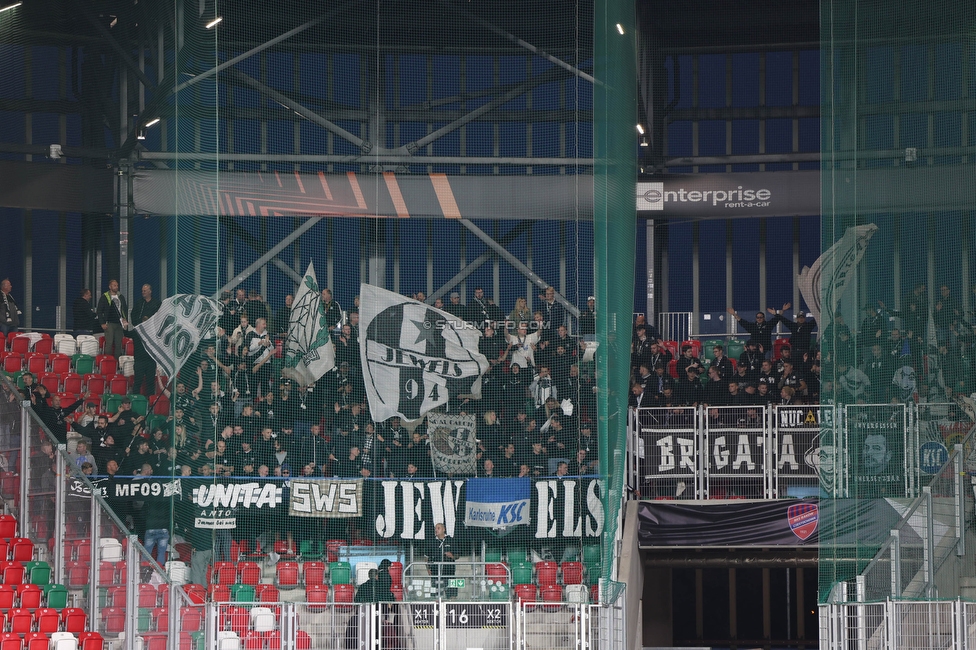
<point x="896" y="293"/>
<point x="403" y="152"/>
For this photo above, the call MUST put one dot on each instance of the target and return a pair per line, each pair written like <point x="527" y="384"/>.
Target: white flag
<point x="453" y="442"/>
<point x="414" y="357"/>
<point x="175" y="331"/>
<point x="309" y="352"/>
<point x="829" y="275"/>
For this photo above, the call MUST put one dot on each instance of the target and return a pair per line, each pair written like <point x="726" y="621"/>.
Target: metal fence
<point x="777" y="451"/>
<point x="895" y="625"/>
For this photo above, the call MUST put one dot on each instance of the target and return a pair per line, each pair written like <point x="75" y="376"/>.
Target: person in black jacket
<point x="145" y="366"/>
<point x="84" y="313"/>
<point x="801" y="329"/>
<point x="761" y="331"/>
<point x="113" y="316"/>
<point x="440" y="555"/>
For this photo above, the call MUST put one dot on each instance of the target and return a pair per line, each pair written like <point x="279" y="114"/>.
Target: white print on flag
<point x="411" y="362"/>
<point x="174" y="333"/>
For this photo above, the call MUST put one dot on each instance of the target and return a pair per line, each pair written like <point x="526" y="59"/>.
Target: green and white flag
<point x="309" y="352"/>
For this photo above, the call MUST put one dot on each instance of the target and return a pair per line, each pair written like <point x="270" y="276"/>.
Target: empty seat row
<point x="51" y="641"/>
<point x="44" y="619"/>
<point x="545" y="573"/>
<point x="32" y="596"/>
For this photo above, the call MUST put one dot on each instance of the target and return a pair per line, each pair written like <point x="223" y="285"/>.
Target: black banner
<point x="758" y="523"/>
<point x="563" y="508"/>
<point x="786" y="522"/>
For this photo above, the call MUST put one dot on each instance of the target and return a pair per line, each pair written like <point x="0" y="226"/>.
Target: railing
<point x="916" y="560"/>
<point x="770" y="452"/>
<point x="755" y="452"/>
<point x="675" y="325"/>
<point x="897" y="625"/>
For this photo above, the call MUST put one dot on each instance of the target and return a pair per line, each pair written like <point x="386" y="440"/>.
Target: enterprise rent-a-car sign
<point x="703" y="196"/>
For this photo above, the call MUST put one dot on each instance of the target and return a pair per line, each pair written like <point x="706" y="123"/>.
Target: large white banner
<point x="309" y="351"/>
<point x="175" y="331"/>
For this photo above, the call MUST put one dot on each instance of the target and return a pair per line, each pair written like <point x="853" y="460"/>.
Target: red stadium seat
<point x="552" y="594"/>
<point x="127" y="346"/>
<point x="13" y="363"/>
<point x="106" y="573"/>
<point x="50" y="381"/>
<point x="8" y="526"/>
<point x="36" y="363"/>
<point x="77" y="574"/>
<point x="10" y="641"/>
<point x="191" y="619"/>
<point x="267" y="593"/>
<point x="224" y="573"/>
<point x="253" y="641"/>
<point x="314" y="573"/>
<point x="46" y="620"/>
<point x="220" y="593"/>
<point x="20" y="620"/>
<point x="161" y="616"/>
<point x="20" y="344"/>
<point x="673" y="348"/>
<point x="161" y="405"/>
<point x="286" y="551"/>
<point x="113" y="620"/>
<point x="45" y="345"/>
<point x="118" y="385"/>
<point x="29" y="596"/>
<point x="147" y="596"/>
<point x="163" y="595"/>
<point x="61" y="364"/>
<point x="154" y="641"/>
<point x="195" y="593"/>
<point x="72" y="383"/>
<point x="778" y="346"/>
<point x="572" y="573"/>
<point x="695" y="344"/>
<point x="116" y="596"/>
<point x="343" y="594"/>
<point x="396" y="573"/>
<point x="527" y="593"/>
<point x="95" y="384"/>
<point x="303" y="641"/>
<point x="238" y="618"/>
<point x="673" y="368"/>
<point x="496" y="570"/>
<point x="273" y="639"/>
<point x="397" y="592"/>
<point x="11" y="573"/>
<point x="286" y="574"/>
<point x="106" y="364"/>
<point x="7" y="595"/>
<point x="317" y="596"/>
<point x="36" y="641"/>
<point x="546" y="573"/>
<point x="90" y="641"/>
<point x="249" y="573"/>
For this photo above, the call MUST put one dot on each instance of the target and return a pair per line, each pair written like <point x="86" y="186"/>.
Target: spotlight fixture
<point x="152" y="122"/>
<point x="213" y="23"/>
<point x="10" y="6"/>
<point x="620" y="28"/>
<point x="141" y="134"/>
<point x="640" y="129"/>
<point x="644" y="142"/>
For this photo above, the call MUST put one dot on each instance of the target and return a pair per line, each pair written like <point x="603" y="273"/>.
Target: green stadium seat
<point x="521" y="573"/>
<point x="707" y="352"/>
<point x="311" y="549"/>
<point x="242" y="593"/>
<point x="112" y="402"/>
<point x="37" y="573"/>
<point x="493" y="554"/>
<point x="140" y="404"/>
<point x="57" y="596"/>
<point x="735" y="348"/>
<point x="517" y="554"/>
<point x="591" y="554"/>
<point x="340" y="573"/>
<point x="83" y="364"/>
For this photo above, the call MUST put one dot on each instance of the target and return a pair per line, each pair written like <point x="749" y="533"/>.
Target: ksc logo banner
<point x="497" y="503"/>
